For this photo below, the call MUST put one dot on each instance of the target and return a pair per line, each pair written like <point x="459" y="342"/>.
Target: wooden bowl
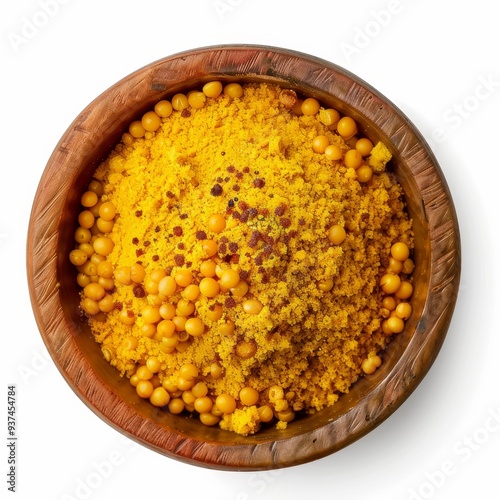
<point x="54" y="292"/>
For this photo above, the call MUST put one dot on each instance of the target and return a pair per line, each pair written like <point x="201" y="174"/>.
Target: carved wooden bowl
<point x="54" y="292"/>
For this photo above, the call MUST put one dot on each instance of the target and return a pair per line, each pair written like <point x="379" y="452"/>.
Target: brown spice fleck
<point x="216" y="190"/>
<point x="179" y="259"/>
<point x="259" y="183"/>
<point x="138" y="213"/>
<point x="155" y="258"/>
<point x="177" y="231"/>
<point x="280" y="209"/>
<point x="201" y="235"/>
<point x="252" y="212"/>
<point x="185" y="113"/>
<point x="254" y="239"/>
<point x="230" y="302"/>
<point x="139" y="252"/>
<point x="285" y="222"/>
<point x="139" y="292"/>
<point x="135" y="241"/>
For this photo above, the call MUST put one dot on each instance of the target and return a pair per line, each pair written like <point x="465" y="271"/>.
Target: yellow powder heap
<point x="305" y="312"/>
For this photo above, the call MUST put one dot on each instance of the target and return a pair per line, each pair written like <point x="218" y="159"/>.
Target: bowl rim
<point x="249" y="62"/>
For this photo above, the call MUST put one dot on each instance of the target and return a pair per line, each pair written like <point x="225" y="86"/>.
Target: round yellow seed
<point x="195" y="327"/>
<point x="176" y="406"/>
<point x="180" y="102"/>
<point x="209" y="287"/>
<point x="136" y="129"/>
<point x="89" y="199"/>
<point x="212" y="89"/>
<point x="346" y="127"/>
<point x="127" y="317"/>
<point x="395" y="324"/>
<point x="153" y="364"/>
<point x="188" y="371"/>
<point x="241" y="289"/>
<point x="144" y="373"/>
<point x="249" y="396"/>
<point x="233" y="90"/>
<point x="404" y="291"/>
<point x="167" y="286"/>
<point x="215" y="312"/>
<point x="144" y="388"/>
<point x="203" y="404"/>
<point x="207" y="268"/>
<point x="229" y="279"/>
<point x="103" y="245"/>
<point x="159" y="397"/>
<point x="151" y="314"/>
<point x="364" y="146"/>
<point x="226" y="403"/>
<point x="337" y="234"/>
<point x="390" y="283"/>
<point x="78" y="257"/>
<point x="353" y="159"/>
<point x="265" y="413"/>
<point x="310" y="106"/>
<point x="370" y="364"/>
<point x="197" y="99"/>
<point x="320" y="143"/>
<point x="252" y="306"/>
<point x="183" y="277"/>
<point x="400" y="251"/>
<point x="333" y="152"/>
<point x="403" y="310"/>
<point x="107" y="211"/>
<point x="163" y="108"/>
<point x="86" y="219"/>
<point x="209" y="419"/>
<point x="216" y="223"/>
<point x="364" y="174"/>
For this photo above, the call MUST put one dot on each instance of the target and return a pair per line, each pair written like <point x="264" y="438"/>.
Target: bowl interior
<point x="54" y="290"/>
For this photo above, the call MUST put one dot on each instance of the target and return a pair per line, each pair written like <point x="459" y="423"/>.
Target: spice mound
<point x="244" y="255"/>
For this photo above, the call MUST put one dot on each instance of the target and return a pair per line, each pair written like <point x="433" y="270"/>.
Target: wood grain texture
<point x="54" y="293"/>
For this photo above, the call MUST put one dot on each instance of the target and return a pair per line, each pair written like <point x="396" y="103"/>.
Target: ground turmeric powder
<point x="224" y="248"/>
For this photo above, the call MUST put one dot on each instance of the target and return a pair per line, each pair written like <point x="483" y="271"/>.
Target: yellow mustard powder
<point x="250" y="160"/>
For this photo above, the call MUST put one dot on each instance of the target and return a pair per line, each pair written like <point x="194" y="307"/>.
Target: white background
<point x="437" y="61"/>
